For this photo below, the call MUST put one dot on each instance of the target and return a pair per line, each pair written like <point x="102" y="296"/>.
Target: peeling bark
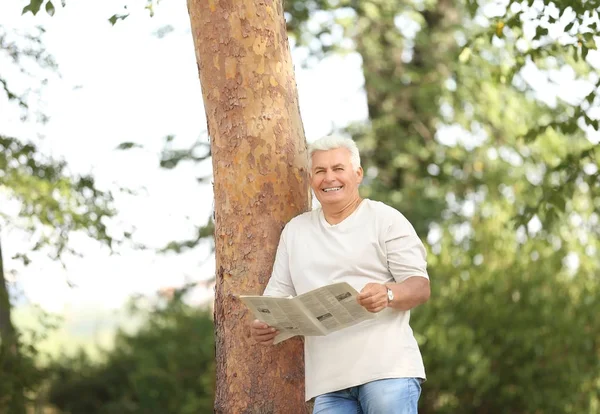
<point x="260" y="183"/>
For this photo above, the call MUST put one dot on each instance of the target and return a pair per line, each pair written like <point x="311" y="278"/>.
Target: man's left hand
<point x="373" y="297"/>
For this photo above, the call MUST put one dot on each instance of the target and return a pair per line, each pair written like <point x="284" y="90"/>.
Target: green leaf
<point x="559" y="201"/>
<point x="23" y="257"/>
<point x="591" y="44"/>
<point x="531" y="135"/>
<point x="128" y="145"/>
<point x="540" y="31"/>
<point x="472" y="6"/>
<point x="590" y="97"/>
<point x="569" y="26"/>
<point x="33" y="7"/>
<point x="569" y="127"/>
<point x="551" y="217"/>
<point x="116" y="17"/>
<point x="50" y="8"/>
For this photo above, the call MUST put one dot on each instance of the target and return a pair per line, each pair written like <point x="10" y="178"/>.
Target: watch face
<point x="390" y="294"/>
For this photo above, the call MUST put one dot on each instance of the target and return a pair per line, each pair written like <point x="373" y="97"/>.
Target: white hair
<point x="331" y="142"/>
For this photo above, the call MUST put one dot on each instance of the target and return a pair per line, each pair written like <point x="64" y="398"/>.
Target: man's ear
<point x="359" y="174"/>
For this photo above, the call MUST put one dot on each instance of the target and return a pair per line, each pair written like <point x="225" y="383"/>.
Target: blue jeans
<point x="387" y="396"/>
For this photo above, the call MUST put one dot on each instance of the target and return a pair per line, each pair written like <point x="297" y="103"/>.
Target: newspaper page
<point x="315" y="313"/>
<point x="335" y="306"/>
<point x="284" y="314"/>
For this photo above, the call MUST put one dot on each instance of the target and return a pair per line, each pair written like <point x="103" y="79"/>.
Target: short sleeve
<point x="406" y="255"/>
<point x="280" y="284"/>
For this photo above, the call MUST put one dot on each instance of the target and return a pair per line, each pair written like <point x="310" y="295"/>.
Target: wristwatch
<point x="390" y="295"/>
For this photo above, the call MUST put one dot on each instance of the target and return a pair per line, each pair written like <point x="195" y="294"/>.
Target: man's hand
<point x="262" y="333"/>
<point x="373" y="297"/>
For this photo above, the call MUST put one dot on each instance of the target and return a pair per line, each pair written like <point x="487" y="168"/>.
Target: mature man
<point x="374" y="367"/>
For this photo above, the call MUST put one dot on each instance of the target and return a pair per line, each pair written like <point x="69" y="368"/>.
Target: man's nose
<point x="329" y="176"/>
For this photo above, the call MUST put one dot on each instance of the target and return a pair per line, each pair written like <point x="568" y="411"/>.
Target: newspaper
<point x="315" y="313"/>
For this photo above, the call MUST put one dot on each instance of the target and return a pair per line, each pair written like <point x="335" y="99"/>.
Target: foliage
<point x="167" y="366"/>
<point x="198" y="153"/>
<point x="21" y="373"/>
<point x="34" y="6"/>
<point x="51" y="199"/>
<point x="24" y="51"/>
<point x="511" y="326"/>
<point x="52" y="205"/>
<point x="436" y="64"/>
<point x="504" y="185"/>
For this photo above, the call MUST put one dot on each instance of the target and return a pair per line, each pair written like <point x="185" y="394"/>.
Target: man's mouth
<point x="330" y="189"/>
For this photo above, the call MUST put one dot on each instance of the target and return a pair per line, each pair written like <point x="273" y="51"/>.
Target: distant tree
<point x="52" y="205"/>
<point x="166" y="366"/>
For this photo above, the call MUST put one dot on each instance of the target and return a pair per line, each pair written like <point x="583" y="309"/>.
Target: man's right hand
<point x="262" y="333"/>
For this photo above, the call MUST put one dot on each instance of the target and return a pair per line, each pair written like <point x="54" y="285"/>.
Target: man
<point x="374" y="367"/>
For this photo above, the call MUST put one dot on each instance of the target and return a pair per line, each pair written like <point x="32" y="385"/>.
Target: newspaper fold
<point x="315" y="313"/>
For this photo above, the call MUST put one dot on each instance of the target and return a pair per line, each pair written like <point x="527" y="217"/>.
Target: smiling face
<point x="333" y="179"/>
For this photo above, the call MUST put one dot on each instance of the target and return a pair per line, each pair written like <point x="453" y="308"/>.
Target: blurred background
<point x="476" y="119"/>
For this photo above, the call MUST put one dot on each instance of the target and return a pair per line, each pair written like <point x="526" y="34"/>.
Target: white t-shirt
<point x="376" y="243"/>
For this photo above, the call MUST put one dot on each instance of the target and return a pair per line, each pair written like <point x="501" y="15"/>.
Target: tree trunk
<point x="7" y="330"/>
<point x="260" y="183"/>
<point x="9" y="353"/>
